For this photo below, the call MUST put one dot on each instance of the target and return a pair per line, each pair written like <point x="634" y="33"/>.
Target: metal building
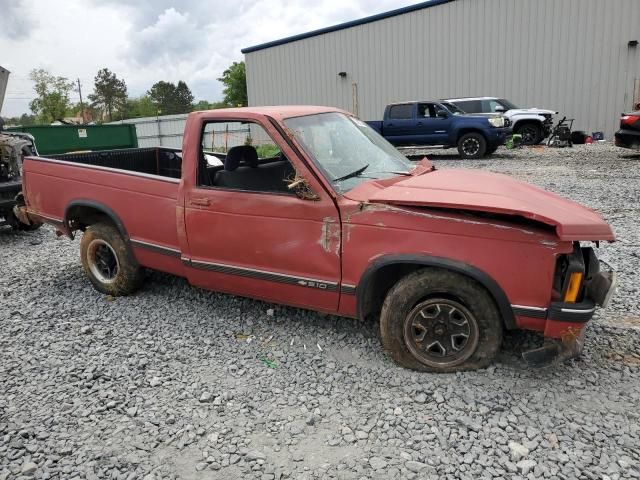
<point x="579" y="57"/>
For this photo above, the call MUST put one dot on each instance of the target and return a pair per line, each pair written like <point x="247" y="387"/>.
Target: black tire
<point x="491" y="149"/>
<point x="108" y="261"/>
<point x="472" y="145"/>
<point x="531" y="133"/>
<point x="456" y="307"/>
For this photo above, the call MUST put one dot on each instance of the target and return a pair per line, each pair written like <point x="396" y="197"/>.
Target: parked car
<point x="442" y="124"/>
<point x="629" y="134"/>
<point x="336" y="220"/>
<point x="533" y="124"/>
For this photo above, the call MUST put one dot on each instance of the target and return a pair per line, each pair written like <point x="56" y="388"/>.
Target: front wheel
<point x="436" y="320"/>
<point x="472" y="145"/>
<point x="531" y="133"/>
<point x="108" y="261"/>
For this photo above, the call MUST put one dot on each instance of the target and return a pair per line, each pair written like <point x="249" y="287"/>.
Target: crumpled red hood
<point x="488" y="192"/>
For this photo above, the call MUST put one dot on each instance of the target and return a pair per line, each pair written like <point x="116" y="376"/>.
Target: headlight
<point x="497" y="122"/>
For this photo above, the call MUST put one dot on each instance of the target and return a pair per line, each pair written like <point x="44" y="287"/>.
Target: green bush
<point x="268" y="150"/>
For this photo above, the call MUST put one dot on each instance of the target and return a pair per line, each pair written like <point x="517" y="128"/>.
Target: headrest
<point x="246" y="154"/>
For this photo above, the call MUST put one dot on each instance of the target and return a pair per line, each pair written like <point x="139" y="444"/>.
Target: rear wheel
<point x="472" y="145"/>
<point x="440" y="321"/>
<point x="108" y="261"/>
<point x="531" y="133"/>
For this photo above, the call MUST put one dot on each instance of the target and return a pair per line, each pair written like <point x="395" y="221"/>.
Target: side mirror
<point x="442" y="114"/>
<point x="301" y="188"/>
<point x="499" y="109"/>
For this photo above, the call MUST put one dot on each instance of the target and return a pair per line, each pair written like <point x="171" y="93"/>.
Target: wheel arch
<point x="522" y="121"/>
<point x="85" y="212"/>
<point x="384" y="272"/>
<point x="464" y="130"/>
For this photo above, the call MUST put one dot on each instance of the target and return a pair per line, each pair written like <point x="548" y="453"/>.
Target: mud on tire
<point x="108" y="261"/>
<point x="435" y="320"/>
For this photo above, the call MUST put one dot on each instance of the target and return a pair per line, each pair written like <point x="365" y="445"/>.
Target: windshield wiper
<point x="355" y="173"/>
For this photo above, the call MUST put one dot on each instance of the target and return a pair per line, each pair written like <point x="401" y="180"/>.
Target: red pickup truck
<point x="310" y="207"/>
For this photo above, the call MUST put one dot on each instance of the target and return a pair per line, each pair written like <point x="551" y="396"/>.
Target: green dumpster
<point x="52" y="139"/>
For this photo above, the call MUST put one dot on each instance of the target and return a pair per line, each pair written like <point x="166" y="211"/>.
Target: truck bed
<point x="135" y="187"/>
<point x="161" y="161"/>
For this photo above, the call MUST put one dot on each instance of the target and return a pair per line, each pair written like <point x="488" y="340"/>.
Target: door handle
<point x="203" y="202"/>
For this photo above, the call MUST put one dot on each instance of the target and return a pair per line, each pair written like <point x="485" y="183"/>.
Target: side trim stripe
<point x="348" y="289"/>
<point x="531" y="312"/>
<point x="152" y="247"/>
<point x="263" y="275"/>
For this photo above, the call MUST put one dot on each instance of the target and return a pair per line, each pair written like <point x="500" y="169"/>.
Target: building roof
<point x="342" y="26"/>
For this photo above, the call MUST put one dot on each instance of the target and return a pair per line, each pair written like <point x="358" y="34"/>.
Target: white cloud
<point x="147" y="41"/>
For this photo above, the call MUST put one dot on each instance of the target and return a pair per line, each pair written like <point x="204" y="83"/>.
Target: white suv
<point x="534" y="124"/>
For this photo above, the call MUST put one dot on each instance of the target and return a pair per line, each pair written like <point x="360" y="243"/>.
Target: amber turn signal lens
<point x="574" y="287"/>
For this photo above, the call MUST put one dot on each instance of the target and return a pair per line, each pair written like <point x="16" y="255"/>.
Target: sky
<point x="145" y="41"/>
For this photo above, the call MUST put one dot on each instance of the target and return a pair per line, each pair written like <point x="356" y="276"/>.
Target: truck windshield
<point x="347" y="150"/>
<point x="507" y="104"/>
<point x="453" y="108"/>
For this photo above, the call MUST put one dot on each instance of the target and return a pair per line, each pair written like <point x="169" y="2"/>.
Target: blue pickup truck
<point x="443" y="124"/>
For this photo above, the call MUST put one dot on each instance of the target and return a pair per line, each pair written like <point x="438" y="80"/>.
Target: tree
<point x="76" y="109"/>
<point x="205" y="105"/>
<point x="52" y="99"/>
<point x="170" y="98"/>
<point x="110" y="93"/>
<point x="234" y="79"/>
<point x="184" y="98"/>
<point x="23" y="120"/>
<point x="140" y="107"/>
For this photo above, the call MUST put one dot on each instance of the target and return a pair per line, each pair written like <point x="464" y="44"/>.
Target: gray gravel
<point x="177" y="382"/>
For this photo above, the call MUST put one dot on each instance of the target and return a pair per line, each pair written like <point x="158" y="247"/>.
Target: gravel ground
<point x="177" y="382"/>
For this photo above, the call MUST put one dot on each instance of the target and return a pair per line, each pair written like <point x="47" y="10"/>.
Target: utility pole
<point x="81" y="104"/>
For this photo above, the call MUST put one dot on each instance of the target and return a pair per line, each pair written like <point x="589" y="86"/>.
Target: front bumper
<point x="564" y="323"/>
<point x="628" y="139"/>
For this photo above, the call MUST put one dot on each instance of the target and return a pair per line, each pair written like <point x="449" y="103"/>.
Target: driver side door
<point x="437" y="128"/>
<point x="257" y="238"/>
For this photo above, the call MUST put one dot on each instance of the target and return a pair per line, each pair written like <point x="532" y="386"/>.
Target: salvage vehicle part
<point x="13" y="147"/>
<point x="561" y="134"/>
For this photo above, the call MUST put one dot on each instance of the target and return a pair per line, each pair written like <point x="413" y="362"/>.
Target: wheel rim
<point x="529" y="134"/>
<point x="103" y="261"/>
<point x="440" y="332"/>
<point x="471" y="146"/>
